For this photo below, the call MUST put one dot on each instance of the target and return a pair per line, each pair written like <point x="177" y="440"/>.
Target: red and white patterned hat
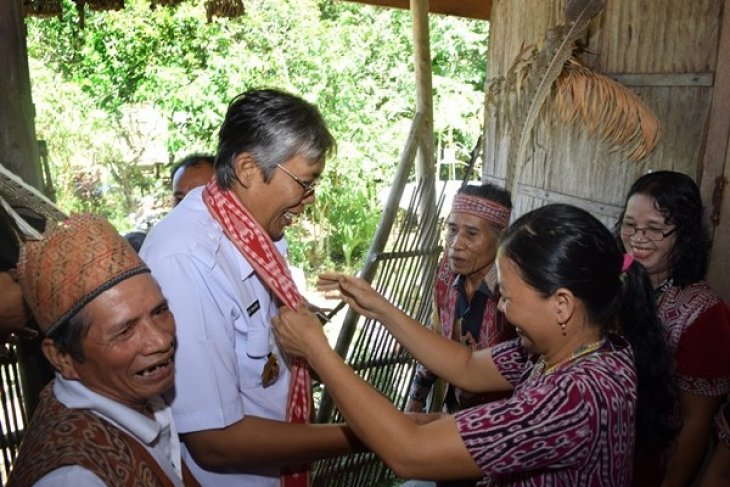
<point x="74" y="262"/>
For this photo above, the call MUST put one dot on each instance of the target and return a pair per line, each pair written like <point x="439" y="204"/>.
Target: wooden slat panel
<point x="670" y="66"/>
<point x="565" y="160"/>
<point x="646" y="36"/>
<point x="474" y="9"/>
<point x="514" y="29"/>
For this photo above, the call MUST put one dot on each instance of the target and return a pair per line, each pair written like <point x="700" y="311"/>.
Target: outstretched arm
<point x="434" y="450"/>
<point x="253" y="442"/>
<point x="469" y="370"/>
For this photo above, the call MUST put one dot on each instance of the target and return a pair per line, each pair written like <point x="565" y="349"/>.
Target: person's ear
<point x="61" y="361"/>
<point x="564" y="304"/>
<point x="245" y="168"/>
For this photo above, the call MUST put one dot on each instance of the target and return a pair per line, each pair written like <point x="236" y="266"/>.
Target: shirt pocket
<point x="253" y="345"/>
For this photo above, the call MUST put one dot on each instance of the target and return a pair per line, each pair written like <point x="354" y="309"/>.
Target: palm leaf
<point x="547" y="66"/>
<point x="605" y="108"/>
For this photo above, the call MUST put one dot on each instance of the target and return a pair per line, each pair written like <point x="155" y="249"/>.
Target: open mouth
<point x="155" y="369"/>
<point x="642" y="253"/>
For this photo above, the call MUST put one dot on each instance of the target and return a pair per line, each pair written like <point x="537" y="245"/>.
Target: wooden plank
<point x="663" y="79"/>
<point x="473" y="9"/>
<point x="596" y="208"/>
<point x="719" y="268"/>
<point x="718" y="128"/>
<point x="716" y="166"/>
<point x="646" y="36"/>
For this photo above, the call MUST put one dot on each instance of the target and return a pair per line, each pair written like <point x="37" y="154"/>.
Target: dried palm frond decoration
<point x="551" y="83"/>
<point x="503" y="94"/>
<point x="224" y="8"/>
<point x="584" y="98"/>
<point x="605" y="108"/>
<point x="42" y="8"/>
<point x="547" y="65"/>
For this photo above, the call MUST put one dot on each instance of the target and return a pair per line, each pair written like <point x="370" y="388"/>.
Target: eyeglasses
<point x="307" y="187"/>
<point x="652" y="234"/>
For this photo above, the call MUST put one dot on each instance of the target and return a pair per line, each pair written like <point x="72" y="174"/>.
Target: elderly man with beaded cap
<point x="110" y="336"/>
<point x="464" y="296"/>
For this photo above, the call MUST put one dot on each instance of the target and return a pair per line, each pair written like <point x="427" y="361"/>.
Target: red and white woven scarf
<point x="258" y="249"/>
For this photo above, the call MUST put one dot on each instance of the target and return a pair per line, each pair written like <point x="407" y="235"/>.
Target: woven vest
<point x="59" y="436"/>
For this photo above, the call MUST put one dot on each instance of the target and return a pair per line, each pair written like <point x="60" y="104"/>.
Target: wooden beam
<point x="718" y="130"/>
<point x="663" y="79"/>
<point x="473" y="9"/>
<point x="715" y="165"/>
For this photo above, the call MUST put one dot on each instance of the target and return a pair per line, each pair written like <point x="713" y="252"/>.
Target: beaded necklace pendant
<point x="541" y="367"/>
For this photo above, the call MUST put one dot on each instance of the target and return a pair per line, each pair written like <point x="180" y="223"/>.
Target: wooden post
<point x="18" y="146"/>
<point x="715" y="170"/>
<point x="19" y="154"/>
<point x="425" y="167"/>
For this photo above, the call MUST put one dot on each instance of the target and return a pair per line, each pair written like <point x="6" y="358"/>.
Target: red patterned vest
<point x="58" y="436"/>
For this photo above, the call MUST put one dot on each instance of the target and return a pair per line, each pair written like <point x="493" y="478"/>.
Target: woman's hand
<point x="299" y="332"/>
<point x="357" y="293"/>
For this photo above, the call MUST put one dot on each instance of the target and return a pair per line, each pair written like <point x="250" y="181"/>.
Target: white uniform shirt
<point x="157" y="435"/>
<point x="222" y="312"/>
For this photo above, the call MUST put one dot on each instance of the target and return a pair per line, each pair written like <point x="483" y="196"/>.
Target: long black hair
<point x="678" y="199"/>
<point x="561" y="246"/>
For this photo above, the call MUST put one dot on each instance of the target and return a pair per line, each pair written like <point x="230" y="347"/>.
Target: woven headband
<point x="482" y="208"/>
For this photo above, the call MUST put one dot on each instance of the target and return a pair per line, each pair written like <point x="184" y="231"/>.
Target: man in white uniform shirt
<point x="241" y="407"/>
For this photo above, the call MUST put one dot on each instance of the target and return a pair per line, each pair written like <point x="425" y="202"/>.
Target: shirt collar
<point x="483" y="288"/>
<point x="73" y="394"/>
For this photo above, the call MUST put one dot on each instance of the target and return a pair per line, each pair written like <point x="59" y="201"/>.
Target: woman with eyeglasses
<point x="589" y="373"/>
<point x="662" y="228"/>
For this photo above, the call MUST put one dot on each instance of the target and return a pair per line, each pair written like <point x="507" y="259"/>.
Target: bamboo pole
<point x="390" y="211"/>
<point x="425" y="167"/>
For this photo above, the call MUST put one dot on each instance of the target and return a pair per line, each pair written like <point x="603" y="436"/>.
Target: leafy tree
<point x="354" y="62"/>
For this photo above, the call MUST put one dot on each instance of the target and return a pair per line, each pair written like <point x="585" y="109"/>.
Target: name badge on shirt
<point x="255" y="306"/>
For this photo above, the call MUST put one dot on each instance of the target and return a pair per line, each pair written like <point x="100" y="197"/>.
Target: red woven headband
<point x="482" y="208"/>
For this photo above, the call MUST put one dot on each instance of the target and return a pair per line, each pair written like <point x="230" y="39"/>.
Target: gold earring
<point x="562" y="326"/>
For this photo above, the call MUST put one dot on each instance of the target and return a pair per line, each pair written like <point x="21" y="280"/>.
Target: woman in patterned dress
<point x="586" y="337"/>
<point x="662" y="227"/>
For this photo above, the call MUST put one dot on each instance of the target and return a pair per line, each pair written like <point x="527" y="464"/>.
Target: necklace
<point x="541" y="366"/>
<point x="662" y="288"/>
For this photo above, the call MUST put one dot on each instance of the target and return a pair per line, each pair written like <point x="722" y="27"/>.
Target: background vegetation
<point x="121" y="99"/>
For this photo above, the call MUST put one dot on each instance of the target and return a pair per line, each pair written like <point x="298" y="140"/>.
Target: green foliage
<point x="339" y="226"/>
<point x="354" y="62"/>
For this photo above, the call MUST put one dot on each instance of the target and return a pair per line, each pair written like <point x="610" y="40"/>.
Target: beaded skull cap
<point x="73" y="263"/>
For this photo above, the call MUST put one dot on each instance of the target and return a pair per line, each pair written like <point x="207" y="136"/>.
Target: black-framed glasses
<point x="652" y="234"/>
<point x="307" y="187"/>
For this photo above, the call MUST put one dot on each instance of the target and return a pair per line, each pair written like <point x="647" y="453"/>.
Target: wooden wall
<point x="667" y="53"/>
